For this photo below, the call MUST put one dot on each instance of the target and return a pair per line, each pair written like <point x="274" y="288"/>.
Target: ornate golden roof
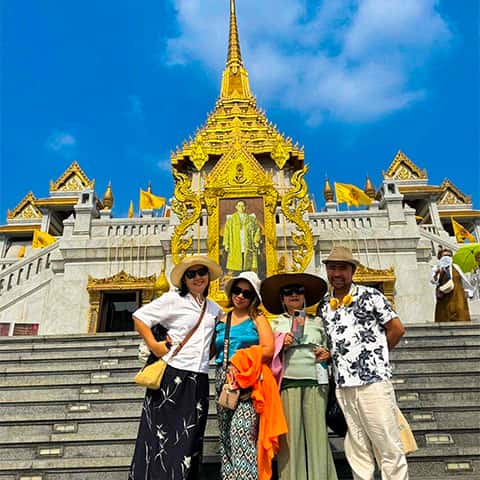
<point x="452" y="195"/>
<point x="72" y="180"/>
<point x="402" y="168"/>
<point x="236" y="117"/>
<point x="26" y="208"/>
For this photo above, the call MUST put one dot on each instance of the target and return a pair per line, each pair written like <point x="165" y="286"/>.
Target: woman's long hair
<point x="253" y="308"/>
<point x="183" y="290"/>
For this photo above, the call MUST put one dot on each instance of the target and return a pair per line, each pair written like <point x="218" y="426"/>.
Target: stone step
<point x="429" y="367"/>
<point x="439" y="353"/>
<point x="461" y="400"/>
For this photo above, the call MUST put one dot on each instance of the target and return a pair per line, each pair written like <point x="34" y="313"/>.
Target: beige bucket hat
<point x="315" y="289"/>
<point x="214" y="269"/>
<point x="341" y="253"/>
<point x="250" y="277"/>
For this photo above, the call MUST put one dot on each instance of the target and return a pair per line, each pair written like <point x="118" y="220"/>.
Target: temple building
<point x="237" y="171"/>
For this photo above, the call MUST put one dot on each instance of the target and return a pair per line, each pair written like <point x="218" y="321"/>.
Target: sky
<point x="118" y="84"/>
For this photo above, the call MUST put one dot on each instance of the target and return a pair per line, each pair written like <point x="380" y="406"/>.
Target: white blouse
<point x="179" y="315"/>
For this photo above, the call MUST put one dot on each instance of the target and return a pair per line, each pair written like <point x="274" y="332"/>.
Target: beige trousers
<point x="372" y="431"/>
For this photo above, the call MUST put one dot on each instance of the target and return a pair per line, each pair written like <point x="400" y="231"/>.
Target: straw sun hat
<point x="340" y="253"/>
<point x="315" y="289"/>
<point x="188" y="261"/>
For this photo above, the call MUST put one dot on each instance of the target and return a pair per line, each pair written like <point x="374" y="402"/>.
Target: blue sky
<point x="118" y="84"/>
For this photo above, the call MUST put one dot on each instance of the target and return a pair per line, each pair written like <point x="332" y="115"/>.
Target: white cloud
<point x="61" y="142"/>
<point x="348" y="60"/>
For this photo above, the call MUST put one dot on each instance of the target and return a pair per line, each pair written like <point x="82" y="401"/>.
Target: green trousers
<point x="305" y="451"/>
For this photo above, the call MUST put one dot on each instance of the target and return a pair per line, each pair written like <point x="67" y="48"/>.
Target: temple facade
<point x="240" y="197"/>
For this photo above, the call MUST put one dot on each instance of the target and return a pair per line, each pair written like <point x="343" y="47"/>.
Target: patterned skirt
<point x="172" y="425"/>
<point x="238" y="438"/>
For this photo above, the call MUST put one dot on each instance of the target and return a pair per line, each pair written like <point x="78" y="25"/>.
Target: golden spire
<point x="327" y="191"/>
<point x="108" y="197"/>
<point x="130" y="210"/>
<point x="234" y="55"/>
<point x="369" y="188"/>
<point x="235" y="83"/>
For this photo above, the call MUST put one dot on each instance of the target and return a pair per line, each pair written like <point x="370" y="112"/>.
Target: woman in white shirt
<point x="169" y="441"/>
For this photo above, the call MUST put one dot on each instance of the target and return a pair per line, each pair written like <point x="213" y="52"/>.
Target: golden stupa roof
<point x="236" y="118"/>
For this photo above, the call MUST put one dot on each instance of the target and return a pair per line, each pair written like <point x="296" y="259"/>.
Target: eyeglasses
<point x="294" y="290"/>
<point x="246" y="294"/>
<point x="201" y="272"/>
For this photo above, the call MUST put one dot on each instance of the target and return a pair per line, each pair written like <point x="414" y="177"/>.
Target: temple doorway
<point x="116" y="310"/>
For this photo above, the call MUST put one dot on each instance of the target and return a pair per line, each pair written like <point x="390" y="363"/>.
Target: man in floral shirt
<point x="361" y="328"/>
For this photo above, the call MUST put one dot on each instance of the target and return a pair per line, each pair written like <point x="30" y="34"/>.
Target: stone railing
<point x="7" y="262"/>
<point x="129" y="227"/>
<point x="26" y="269"/>
<point x="432" y="234"/>
<point x="348" y="221"/>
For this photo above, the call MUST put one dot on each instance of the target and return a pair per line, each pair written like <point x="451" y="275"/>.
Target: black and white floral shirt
<point x="356" y="337"/>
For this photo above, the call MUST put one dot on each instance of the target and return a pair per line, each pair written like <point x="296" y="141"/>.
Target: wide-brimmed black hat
<point x="315" y="289"/>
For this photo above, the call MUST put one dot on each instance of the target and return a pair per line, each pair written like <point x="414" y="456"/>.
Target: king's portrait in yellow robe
<point x="241" y="240"/>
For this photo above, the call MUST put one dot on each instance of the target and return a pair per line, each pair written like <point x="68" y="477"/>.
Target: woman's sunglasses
<point x="289" y="291"/>
<point x="201" y="272"/>
<point x="246" y="294"/>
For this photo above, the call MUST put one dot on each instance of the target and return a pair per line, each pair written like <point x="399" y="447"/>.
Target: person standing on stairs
<point x="361" y="329"/>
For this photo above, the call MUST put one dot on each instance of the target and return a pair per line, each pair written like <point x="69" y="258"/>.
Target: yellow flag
<point x="149" y="201"/>
<point x="42" y="239"/>
<point x="21" y="252"/>
<point x="461" y="233"/>
<point x="351" y="195"/>
<point x="130" y="210"/>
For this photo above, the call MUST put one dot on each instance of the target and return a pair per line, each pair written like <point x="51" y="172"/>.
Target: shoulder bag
<point x="150" y="376"/>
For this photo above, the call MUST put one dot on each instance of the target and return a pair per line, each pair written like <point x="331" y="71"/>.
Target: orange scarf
<point x="266" y="401"/>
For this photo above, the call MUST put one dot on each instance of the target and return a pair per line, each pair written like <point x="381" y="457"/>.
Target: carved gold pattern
<point x="294" y="204"/>
<point x="239" y="175"/>
<point x="453" y="195"/>
<point x="72" y="180"/>
<point x="402" y="168"/>
<point x="188" y="207"/>
<point x="280" y="153"/>
<point x="371" y="276"/>
<point x="26" y="208"/>
<point x="121" y="281"/>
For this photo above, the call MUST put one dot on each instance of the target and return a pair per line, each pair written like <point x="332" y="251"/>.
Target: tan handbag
<point x="407" y="438"/>
<point x="229" y="397"/>
<point x="150" y="376"/>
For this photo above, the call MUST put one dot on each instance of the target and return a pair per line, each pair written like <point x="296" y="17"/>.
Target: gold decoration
<point x="161" y="285"/>
<point x="280" y="153"/>
<point x="371" y="276"/>
<point x="188" y="207"/>
<point x="72" y="180"/>
<point x="294" y="203"/>
<point x="369" y="188"/>
<point x="327" y="191"/>
<point x="402" y="168"/>
<point x="26" y="208"/>
<point x="247" y="181"/>
<point x="108" y="197"/>
<point x="198" y="156"/>
<point x="452" y="194"/>
<point x="121" y="282"/>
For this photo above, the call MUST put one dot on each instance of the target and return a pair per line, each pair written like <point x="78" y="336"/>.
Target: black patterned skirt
<point x="172" y="425"/>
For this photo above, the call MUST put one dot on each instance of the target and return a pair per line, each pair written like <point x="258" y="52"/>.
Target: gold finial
<point x="327" y="191"/>
<point x="369" y="188"/>
<point x="149" y="188"/>
<point x="234" y="55"/>
<point x="161" y="284"/>
<point x="130" y="210"/>
<point x="108" y="197"/>
<point x="235" y="83"/>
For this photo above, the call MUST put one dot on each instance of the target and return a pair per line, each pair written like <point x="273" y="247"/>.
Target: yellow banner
<point x="351" y="195"/>
<point x="461" y="233"/>
<point x="42" y="239"/>
<point x="149" y="201"/>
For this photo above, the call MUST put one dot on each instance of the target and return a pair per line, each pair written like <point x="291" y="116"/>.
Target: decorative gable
<point x="402" y="168"/>
<point x="72" y="180"/>
<point x="452" y="195"/>
<point x="26" y="209"/>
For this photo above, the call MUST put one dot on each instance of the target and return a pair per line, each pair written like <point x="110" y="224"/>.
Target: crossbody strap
<point x="226" y="341"/>
<point x="191" y="332"/>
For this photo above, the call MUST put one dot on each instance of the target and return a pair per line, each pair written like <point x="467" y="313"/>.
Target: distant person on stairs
<point x="449" y="281"/>
<point x="170" y="436"/>
<point x="361" y="328"/>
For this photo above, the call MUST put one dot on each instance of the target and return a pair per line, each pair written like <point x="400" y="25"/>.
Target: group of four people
<point x="354" y="329"/>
